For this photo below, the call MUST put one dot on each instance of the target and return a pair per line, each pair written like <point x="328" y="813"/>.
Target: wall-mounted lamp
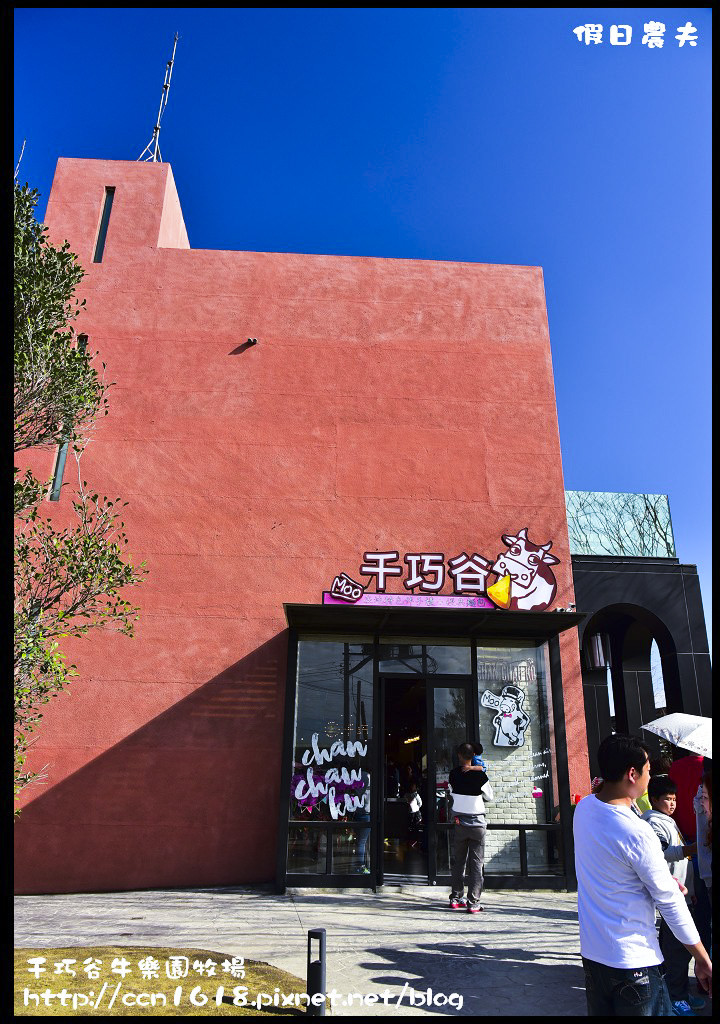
<point x="597" y="651"/>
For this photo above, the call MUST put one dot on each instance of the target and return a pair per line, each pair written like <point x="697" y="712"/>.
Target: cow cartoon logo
<point x="532" y="581"/>
<point x="511" y="720"/>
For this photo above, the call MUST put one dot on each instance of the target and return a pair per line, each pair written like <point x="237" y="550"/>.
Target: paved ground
<point x="519" y="957"/>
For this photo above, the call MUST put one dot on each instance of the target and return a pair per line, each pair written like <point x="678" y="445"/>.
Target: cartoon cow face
<point x="528" y="565"/>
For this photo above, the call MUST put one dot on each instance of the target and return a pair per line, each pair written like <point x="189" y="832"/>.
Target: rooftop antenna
<point x="17" y="169"/>
<point x="153" y="147"/>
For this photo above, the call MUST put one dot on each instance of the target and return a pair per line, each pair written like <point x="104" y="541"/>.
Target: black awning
<point x="432" y="622"/>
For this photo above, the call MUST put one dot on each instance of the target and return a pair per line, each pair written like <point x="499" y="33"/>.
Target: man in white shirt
<point x="622" y="876"/>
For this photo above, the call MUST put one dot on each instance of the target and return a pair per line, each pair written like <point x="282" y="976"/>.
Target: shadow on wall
<point x="190" y="799"/>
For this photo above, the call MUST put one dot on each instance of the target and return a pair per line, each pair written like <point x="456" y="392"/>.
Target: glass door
<point x="424" y="721"/>
<point x="404" y="826"/>
<point x="450" y="716"/>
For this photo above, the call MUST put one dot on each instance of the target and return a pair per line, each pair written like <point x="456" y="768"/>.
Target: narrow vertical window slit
<point x="104" y="221"/>
<point x="59" y="470"/>
<point x="81" y="345"/>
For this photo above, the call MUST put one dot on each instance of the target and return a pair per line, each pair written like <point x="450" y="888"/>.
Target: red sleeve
<point x="687" y="773"/>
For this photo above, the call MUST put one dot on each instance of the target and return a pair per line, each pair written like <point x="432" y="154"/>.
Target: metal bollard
<point x="316" y="974"/>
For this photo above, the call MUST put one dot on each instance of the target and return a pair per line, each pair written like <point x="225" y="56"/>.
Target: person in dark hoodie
<point x="470" y="790"/>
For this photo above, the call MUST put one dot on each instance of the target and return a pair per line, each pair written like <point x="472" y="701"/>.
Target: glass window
<point x="502" y="852"/>
<point x="607" y="523"/>
<point x="404" y="655"/>
<point x="331" y="776"/>
<point x="104" y="221"/>
<point x="307" y="850"/>
<point x="350" y="851"/>
<point x="58" y="473"/>
<point x="658" y="682"/>
<point x="401" y="655"/>
<point x="449" y="657"/>
<point x="544" y="853"/>
<point x="450" y="728"/>
<point x="515" y="716"/>
<point x="444" y="850"/>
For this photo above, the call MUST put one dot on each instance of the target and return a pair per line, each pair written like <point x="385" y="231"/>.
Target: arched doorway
<point x="617" y="645"/>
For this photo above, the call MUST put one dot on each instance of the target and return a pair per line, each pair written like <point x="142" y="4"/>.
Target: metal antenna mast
<point x="153" y="147"/>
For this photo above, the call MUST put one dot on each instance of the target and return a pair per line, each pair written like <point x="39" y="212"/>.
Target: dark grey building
<point x="633" y="590"/>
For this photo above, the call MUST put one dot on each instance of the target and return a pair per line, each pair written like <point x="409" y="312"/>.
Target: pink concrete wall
<point x="388" y="404"/>
<point x="173" y="233"/>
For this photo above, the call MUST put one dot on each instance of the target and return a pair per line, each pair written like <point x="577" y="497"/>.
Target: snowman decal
<point x="511" y="721"/>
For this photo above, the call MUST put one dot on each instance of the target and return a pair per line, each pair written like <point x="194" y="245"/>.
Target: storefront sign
<point x="412" y="601"/>
<point x="524" y="581"/>
<point x="510" y="721"/>
<point x="507" y="671"/>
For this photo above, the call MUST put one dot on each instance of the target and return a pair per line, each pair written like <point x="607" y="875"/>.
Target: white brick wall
<point x="514" y="771"/>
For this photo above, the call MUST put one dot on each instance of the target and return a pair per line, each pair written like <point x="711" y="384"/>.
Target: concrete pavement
<point x="519" y="957"/>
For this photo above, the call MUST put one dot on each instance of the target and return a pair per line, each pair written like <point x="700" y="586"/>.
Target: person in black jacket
<point x="470" y="791"/>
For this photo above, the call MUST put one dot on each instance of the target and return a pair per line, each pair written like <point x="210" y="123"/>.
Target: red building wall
<point x="397" y="404"/>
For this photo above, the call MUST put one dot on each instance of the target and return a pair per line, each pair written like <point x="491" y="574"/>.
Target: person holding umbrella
<point x="692" y="734"/>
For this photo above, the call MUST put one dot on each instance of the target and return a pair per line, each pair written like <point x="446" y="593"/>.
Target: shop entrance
<point x="423" y="721"/>
<point x="372" y="723"/>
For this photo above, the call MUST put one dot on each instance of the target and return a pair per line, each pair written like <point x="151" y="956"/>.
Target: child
<point x="413" y="798"/>
<point x="477" y="759"/>
<point x="662" y="793"/>
<point x="659" y="766"/>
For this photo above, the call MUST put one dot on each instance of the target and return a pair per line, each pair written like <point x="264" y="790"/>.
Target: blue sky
<point x="487" y="135"/>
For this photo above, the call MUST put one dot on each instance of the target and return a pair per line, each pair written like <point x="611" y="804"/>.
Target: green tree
<point x="69" y="580"/>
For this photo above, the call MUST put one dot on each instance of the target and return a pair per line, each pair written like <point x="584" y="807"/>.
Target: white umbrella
<point x="691" y="732"/>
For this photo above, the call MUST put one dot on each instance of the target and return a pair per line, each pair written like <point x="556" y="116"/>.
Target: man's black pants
<point x="625" y="992"/>
<point x="468" y="848"/>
